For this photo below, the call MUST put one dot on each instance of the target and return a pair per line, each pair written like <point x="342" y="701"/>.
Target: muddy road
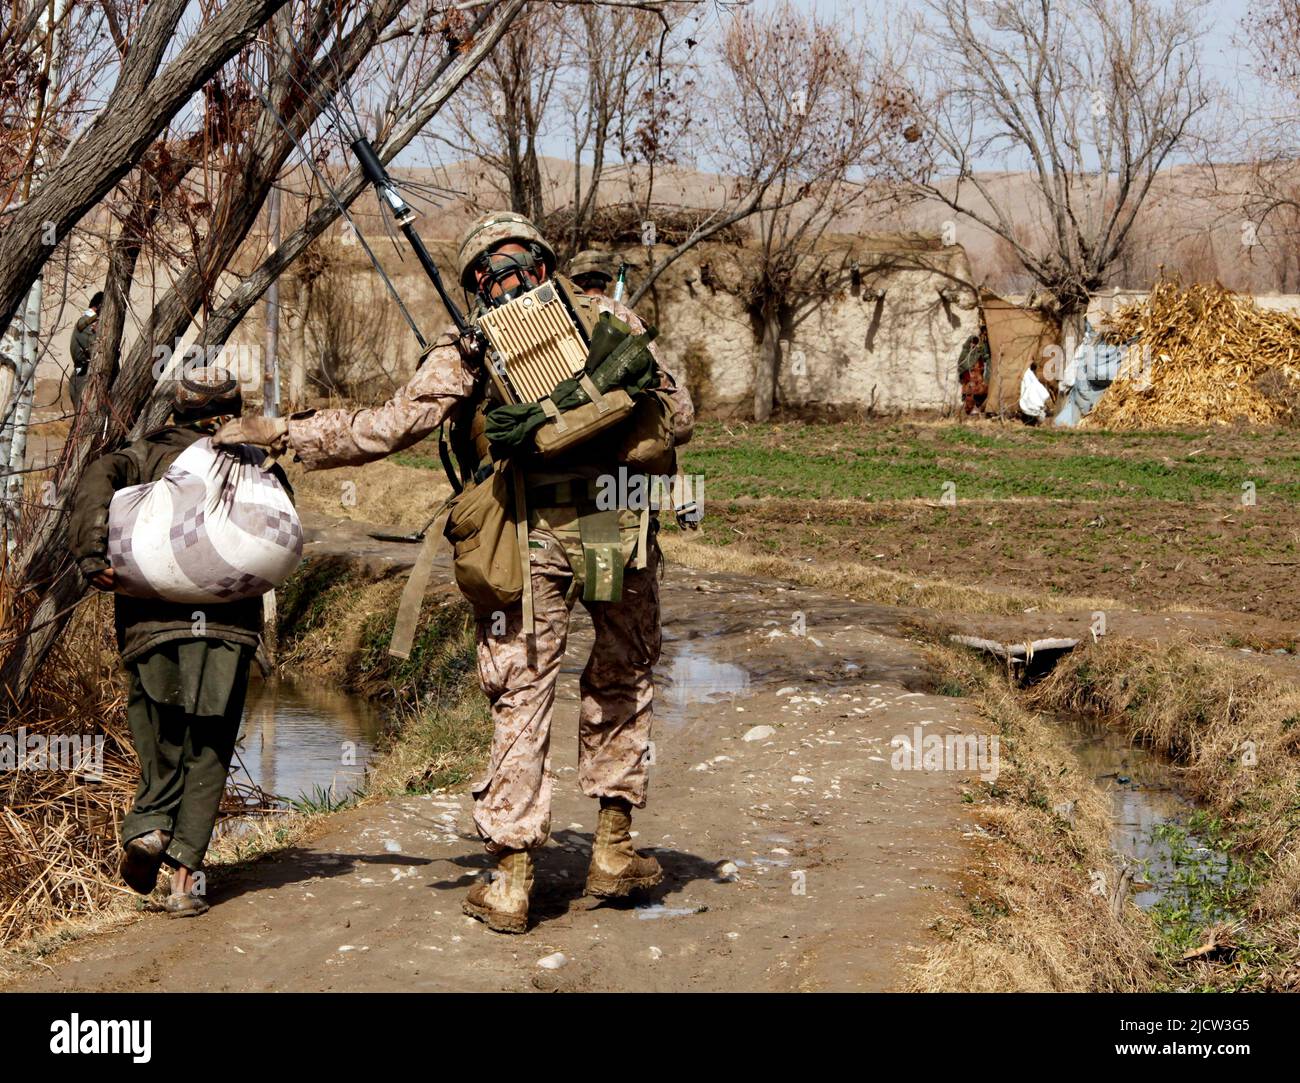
<point x="796" y="857"/>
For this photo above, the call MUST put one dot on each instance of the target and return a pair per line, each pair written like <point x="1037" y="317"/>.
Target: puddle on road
<point x="659" y="910"/>
<point x="1140" y="785"/>
<point x="693" y="678"/>
<point x="299" y="736"/>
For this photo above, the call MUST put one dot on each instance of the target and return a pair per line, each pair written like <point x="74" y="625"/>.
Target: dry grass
<point x="1205" y="355"/>
<point x="1232" y="726"/>
<point x="1033" y="920"/>
<point x="58" y="831"/>
<point x="323" y="618"/>
<point x="338" y="629"/>
<point x="863" y="582"/>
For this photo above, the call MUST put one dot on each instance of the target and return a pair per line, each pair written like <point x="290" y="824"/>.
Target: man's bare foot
<point x="187" y="881"/>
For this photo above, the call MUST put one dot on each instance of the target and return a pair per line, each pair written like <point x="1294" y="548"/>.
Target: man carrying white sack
<point x="188" y="662"/>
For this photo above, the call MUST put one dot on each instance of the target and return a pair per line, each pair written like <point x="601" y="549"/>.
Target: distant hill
<point x="1192" y="222"/>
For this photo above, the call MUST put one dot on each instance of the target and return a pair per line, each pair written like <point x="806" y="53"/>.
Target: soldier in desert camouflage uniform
<point x="502" y="256"/>
<point x="592" y="271"/>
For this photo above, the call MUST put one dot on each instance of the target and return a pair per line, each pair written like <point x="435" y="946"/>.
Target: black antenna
<point x="404" y="214"/>
<point x="334" y="197"/>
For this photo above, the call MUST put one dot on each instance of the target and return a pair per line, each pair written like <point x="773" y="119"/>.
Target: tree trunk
<point x="142" y="104"/>
<point x="769" y="363"/>
<point x="271" y="363"/>
<point x="1072" y="332"/>
<point x="296" y="360"/>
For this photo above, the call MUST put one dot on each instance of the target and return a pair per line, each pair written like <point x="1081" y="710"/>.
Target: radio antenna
<point x="404" y="214"/>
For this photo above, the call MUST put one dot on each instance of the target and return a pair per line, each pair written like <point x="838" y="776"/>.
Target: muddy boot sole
<point x="495" y="919"/>
<point x="604" y="886"/>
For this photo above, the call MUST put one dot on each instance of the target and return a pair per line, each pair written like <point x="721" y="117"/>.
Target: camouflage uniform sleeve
<point x="322" y="439"/>
<point x="673" y="385"/>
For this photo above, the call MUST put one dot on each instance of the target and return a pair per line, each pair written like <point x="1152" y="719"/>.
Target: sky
<point x="1226" y="56"/>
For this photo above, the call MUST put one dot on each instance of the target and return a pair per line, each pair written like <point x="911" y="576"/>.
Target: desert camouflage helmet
<point x="592" y="262"/>
<point x="491" y="230"/>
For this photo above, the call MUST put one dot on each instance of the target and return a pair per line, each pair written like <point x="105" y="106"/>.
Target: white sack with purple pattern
<point x="216" y="527"/>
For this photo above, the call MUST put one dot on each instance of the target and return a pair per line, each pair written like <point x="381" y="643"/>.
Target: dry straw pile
<point x="58" y="828"/>
<point x="1203" y="355"/>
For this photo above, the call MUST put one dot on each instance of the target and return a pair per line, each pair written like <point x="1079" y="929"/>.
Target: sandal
<point x="141" y="858"/>
<point x="185" y="906"/>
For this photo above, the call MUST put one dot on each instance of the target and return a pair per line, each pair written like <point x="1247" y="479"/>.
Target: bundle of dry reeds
<point x="1203" y="355"/>
<point x="58" y="828"/>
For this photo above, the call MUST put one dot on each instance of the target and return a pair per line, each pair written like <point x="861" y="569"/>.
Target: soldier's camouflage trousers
<point x="512" y="801"/>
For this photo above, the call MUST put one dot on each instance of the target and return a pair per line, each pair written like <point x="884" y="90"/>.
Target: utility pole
<point x="271" y="398"/>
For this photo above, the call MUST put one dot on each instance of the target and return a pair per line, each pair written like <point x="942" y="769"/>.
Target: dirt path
<point x="842" y="863"/>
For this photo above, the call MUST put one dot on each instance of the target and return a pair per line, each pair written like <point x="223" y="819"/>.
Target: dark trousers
<point x="184" y="708"/>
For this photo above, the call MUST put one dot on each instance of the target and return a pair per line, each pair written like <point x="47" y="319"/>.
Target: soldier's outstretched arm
<point x="321" y="439"/>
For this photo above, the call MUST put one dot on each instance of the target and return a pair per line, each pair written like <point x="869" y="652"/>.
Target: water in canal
<point x="299" y="737"/>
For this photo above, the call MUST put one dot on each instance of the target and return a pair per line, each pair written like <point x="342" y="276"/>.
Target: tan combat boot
<point x="503" y="903"/>
<point x="616" y="868"/>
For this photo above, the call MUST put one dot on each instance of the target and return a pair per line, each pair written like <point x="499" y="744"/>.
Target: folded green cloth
<point x="617" y="359"/>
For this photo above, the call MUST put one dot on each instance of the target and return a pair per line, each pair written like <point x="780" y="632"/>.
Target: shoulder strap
<point x="417" y="584"/>
<point x="584" y="307"/>
<point x="444" y="454"/>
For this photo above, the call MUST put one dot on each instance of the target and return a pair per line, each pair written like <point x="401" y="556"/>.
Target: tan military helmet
<point x="590" y="261"/>
<point x="489" y="231"/>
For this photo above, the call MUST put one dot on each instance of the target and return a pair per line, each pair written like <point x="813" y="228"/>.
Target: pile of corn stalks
<point x="1203" y="355"/>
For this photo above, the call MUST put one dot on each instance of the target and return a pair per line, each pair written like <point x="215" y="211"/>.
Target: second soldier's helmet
<point x="493" y="229"/>
<point x="593" y="263"/>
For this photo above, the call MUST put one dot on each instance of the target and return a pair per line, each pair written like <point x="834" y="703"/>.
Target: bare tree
<point x="604" y="75"/>
<point x="144" y="99"/>
<point x="808" y="120"/>
<point x="1269" y="193"/>
<point x="298" y="82"/>
<point x="503" y="115"/>
<point x="1092" y="97"/>
<point x="349" y="333"/>
<point x="611" y="62"/>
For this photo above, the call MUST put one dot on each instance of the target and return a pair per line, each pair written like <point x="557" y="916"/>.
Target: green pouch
<point x="602" y="555"/>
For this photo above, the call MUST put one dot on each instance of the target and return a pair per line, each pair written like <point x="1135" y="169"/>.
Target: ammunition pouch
<point x="602" y="554"/>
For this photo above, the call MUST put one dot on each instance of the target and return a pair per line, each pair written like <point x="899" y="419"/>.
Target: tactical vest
<point x="563" y="489"/>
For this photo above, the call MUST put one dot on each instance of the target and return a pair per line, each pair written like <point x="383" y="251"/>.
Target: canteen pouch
<point x="484" y="537"/>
